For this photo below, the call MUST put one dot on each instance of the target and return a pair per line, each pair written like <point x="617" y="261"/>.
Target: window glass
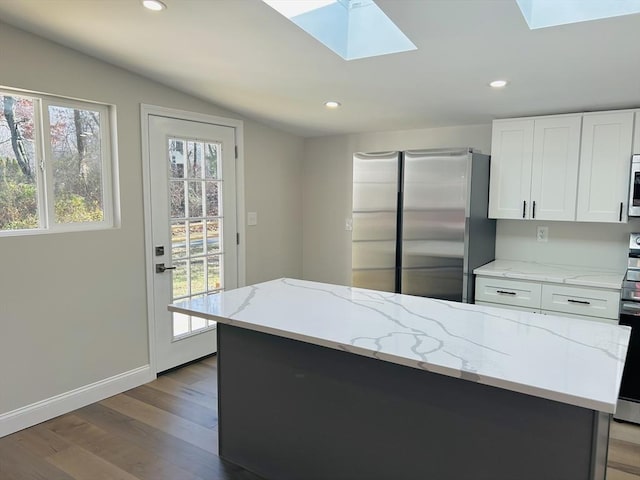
<point x="55" y="164"/>
<point x="76" y="154"/>
<point x="18" y="175"/>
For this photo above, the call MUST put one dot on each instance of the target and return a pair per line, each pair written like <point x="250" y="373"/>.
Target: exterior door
<point x="192" y="174"/>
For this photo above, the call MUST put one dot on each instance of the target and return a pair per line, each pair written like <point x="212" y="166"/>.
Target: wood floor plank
<point x="184" y="454"/>
<point x="624" y="456"/>
<point x="189" y="375"/>
<point x="613" y="474"/>
<point x="81" y="465"/>
<point x="628" y="432"/>
<point x="186" y="392"/>
<point x="18" y="463"/>
<point x="202" y="437"/>
<point x="134" y="460"/>
<point x="41" y="441"/>
<point x="204" y="416"/>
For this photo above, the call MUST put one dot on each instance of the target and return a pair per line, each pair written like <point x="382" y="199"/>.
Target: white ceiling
<point x="242" y="55"/>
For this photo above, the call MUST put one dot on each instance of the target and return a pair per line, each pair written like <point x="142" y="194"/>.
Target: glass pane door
<point x="196" y="219"/>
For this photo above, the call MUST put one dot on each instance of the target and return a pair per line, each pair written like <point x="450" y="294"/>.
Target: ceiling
<point x="244" y="56"/>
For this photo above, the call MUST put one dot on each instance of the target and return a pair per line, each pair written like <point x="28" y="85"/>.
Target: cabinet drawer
<point x="581" y="301"/>
<point x="509" y="307"/>
<point x="508" y="292"/>
<point x="610" y="321"/>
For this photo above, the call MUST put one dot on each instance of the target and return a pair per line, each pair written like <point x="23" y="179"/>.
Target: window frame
<point x="43" y="163"/>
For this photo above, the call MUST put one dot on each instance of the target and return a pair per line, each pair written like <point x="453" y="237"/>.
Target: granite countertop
<point x="541" y="272"/>
<point x="567" y="360"/>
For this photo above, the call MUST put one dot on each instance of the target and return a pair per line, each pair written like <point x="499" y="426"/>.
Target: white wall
<point x="597" y="245"/>
<point x="327" y="178"/>
<point x="72" y="306"/>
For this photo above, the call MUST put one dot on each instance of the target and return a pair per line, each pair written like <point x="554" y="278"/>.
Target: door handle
<point x="524" y="208"/>
<point x="160" y="268"/>
<point x="534" y="209"/>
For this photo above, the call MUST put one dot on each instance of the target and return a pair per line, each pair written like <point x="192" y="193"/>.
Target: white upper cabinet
<point x="554" y="177"/>
<point x="534" y="168"/>
<point x="511" y="155"/>
<point x="605" y="161"/>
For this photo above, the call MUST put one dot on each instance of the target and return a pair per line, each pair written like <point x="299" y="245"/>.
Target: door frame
<point x="147" y="110"/>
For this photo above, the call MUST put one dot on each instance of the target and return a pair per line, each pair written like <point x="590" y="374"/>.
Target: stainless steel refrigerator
<point x="420" y="222"/>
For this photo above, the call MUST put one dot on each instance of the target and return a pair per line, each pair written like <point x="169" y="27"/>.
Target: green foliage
<point x="71" y="208"/>
<point x="18" y="198"/>
<point x="19" y="202"/>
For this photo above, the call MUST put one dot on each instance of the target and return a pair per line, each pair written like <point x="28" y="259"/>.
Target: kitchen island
<point x="320" y="381"/>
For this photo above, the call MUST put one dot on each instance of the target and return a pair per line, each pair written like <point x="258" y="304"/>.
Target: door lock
<point x="160" y="268"/>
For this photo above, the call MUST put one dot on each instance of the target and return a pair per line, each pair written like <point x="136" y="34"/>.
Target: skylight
<point x="351" y="28"/>
<point x="546" y="13"/>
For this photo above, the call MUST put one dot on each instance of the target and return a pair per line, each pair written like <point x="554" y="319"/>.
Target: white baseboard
<point x="49" y="408"/>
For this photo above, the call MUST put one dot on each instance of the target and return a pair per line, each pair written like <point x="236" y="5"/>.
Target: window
<point x="55" y="164"/>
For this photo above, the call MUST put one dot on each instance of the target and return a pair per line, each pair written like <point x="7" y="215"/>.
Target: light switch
<point x="252" y="218"/>
<point x="348" y="224"/>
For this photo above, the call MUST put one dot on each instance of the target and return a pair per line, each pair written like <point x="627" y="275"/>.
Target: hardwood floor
<point x="167" y="430"/>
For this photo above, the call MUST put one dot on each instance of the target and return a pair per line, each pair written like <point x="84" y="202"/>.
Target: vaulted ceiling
<point x="244" y="56"/>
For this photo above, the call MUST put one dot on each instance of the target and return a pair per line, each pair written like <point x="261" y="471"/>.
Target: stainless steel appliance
<point x="420" y="222"/>
<point x="629" y="402"/>
<point x="634" y="190"/>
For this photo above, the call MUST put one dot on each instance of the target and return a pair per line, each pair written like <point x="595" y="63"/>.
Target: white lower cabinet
<point x="509" y="307"/>
<point x="549" y="298"/>
<point x="514" y="293"/>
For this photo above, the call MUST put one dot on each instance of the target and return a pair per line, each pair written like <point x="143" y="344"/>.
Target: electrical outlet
<point x="543" y="234"/>
<point x="348" y="224"/>
<point x="252" y="218"/>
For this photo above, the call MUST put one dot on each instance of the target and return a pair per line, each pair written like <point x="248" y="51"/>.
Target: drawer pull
<point x="581" y="302"/>
<point x="504" y="292"/>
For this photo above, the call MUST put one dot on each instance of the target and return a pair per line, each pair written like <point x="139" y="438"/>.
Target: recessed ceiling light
<point x="332" y="104"/>
<point x="498" y="83"/>
<point x="155" y="5"/>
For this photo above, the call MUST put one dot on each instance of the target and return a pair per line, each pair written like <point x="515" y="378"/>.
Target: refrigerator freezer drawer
<point x="373" y="255"/>
<point x="374" y="226"/>
<point x="369" y="197"/>
<point x="384" y="280"/>
<point x="433" y="225"/>
<point x="444" y="283"/>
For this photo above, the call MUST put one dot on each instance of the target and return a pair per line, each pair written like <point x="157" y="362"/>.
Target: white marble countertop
<point x="541" y="272"/>
<point x="567" y="360"/>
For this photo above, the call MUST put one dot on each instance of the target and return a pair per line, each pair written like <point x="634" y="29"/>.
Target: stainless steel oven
<point x="629" y="402"/>
<point x="634" y="190"/>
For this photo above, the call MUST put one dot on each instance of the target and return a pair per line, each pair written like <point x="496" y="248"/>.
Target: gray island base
<point x="289" y="410"/>
<point x="328" y="382"/>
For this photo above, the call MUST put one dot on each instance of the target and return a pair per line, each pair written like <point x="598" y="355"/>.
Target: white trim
<point x="145" y="111"/>
<point x="43" y="410"/>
